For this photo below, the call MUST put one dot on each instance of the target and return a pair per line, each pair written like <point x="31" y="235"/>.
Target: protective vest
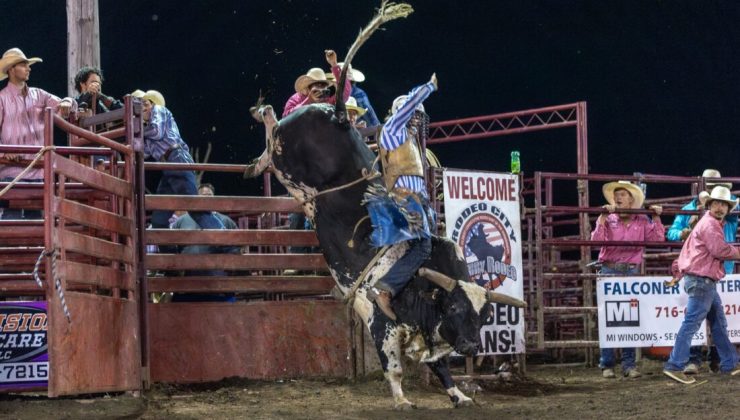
<point x="403" y="160"/>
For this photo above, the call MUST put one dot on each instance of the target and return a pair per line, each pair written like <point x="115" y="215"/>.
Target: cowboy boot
<point x="382" y="298"/>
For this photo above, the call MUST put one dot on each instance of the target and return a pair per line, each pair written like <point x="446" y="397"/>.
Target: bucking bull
<point x="314" y="150"/>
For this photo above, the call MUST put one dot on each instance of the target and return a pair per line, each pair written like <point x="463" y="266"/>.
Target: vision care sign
<point x="644" y="312"/>
<point x="24" y="362"/>
<point x="482" y="217"/>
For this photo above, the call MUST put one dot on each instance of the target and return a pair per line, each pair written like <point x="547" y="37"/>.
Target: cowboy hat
<point x="713" y="173"/>
<point x="12" y="57"/>
<point x="154" y="97"/>
<point x="635" y="191"/>
<point x="351" y="105"/>
<point x="399" y="101"/>
<point x="315" y="75"/>
<point x="353" y="75"/>
<point x="138" y="93"/>
<point x="719" y="193"/>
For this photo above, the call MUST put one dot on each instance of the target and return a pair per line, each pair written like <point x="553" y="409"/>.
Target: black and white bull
<point x="314" y="150"/>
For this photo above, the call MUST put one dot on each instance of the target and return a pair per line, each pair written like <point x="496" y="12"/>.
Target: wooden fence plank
<point x="234" y="262"/>
<point x="222" y="203"/>
<point x="244" y="284"/>
<point x="250" y="237"/>
<point x="96" y="275"/>
<point x="94" y="247"/>
<point x="92" y="177"/>
<point x="93" y="217"/>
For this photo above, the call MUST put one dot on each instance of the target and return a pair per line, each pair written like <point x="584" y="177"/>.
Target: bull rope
<point x="366" y="176"/>
<point x="36" y="158"/>
<point x="57" y="281"/>
<point x="349" y="298"/>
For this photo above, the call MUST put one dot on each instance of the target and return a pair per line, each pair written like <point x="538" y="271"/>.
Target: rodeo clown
<point x="400" y="212"/>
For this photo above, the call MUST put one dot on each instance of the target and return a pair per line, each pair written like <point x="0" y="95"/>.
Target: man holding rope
<point x="22" y="120"/>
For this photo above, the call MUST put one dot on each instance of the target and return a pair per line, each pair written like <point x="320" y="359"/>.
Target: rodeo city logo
<point x="485" y="234"/>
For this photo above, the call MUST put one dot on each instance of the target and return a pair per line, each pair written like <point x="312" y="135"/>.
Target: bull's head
<point x="464" y="307"/>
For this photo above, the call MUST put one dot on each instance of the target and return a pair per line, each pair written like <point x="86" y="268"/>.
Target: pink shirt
<point x="298" y="99"/>
<point x="705" y="250"/>
<point x="638" y="228"/>
<point x="22" y="123"/>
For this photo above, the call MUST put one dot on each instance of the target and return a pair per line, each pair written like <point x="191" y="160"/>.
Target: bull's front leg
<point x="387" y="338"/>
<point x="442" y="370"/>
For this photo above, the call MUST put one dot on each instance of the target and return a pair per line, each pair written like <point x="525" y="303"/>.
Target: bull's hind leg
<point x="442" y="370"/>
<point x="387" y="338"/>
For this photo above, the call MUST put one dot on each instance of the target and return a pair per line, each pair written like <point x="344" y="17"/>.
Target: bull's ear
<point x="505" y="299"/>
<point x="442" y="280"/>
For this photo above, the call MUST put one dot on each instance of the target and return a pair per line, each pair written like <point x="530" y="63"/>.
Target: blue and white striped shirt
<point x="395" y="133"/>
<point x="161" y="134"/>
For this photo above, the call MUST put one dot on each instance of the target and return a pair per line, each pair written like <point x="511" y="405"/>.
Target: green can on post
<point x="516" y="165"/>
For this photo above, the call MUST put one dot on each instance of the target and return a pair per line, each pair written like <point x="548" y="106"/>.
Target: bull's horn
<point x="505" y="299"/>
<point x="442" y="280"/>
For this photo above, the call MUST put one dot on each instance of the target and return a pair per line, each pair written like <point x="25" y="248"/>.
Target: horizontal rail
<point x="92" y="216"/>
<point x="94" y="247"/>
<point x="242" y="284"/>
<point x="571" y="344"/>
<point x="103" y="117"/>
<point x="92" y="177"/>
<point x="96" y="275"/>
<point x="232" y="237"/>
<point x="567" y="309"/>
<point x="32" y="150"/>
<point x="235" y="262"/>
<point x="222" y="203"/>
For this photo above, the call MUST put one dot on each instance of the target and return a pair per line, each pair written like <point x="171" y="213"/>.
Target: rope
<point x="366" y="176"/>
<point x="350" y="297"/>
<point x="57" y="280"/>
<point x="36" y="158"/>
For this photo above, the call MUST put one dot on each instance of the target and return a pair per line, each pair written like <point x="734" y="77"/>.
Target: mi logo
<point x="622" y="313"/>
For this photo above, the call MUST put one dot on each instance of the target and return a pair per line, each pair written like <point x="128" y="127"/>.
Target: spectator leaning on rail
<point x="679" y="231"/>
<point x="162" y="142"/>
<point x="313" y="87"/>
<point x="624" y="260"/>
<point x="22" y="119"/>
<point x="700" y="264"/>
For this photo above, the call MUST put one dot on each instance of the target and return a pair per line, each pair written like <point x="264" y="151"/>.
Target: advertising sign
<point x="24" y="362"/>
<point x="483" y="217"/>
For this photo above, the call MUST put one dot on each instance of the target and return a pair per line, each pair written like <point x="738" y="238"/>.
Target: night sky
<point x="661" y="78"/>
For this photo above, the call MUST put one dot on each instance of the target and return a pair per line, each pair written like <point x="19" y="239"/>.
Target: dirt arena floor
<point x="546" y="392"/>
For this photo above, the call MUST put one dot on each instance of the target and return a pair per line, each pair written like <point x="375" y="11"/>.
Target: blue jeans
<point x="21" y="214"/>
<point x="181" y="183"/>
<point x="404" y="269"/>
<point x="607" y="359"/>
<point x="704" y="303"/>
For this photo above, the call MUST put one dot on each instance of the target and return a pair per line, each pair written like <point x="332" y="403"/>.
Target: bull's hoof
<point x="404" y="405"/>
<point x="465" y="403"/>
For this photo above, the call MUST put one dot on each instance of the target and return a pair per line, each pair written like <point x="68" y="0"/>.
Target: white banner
<point x="644" y="312"/>
<point x="482" y="216"/>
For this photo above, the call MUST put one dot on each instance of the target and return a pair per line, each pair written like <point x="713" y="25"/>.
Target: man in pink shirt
<point x="22" y="119"/>
<point x="701" y="263"/>
<point x="312" y="87"/>
<point x="622" y="260"/>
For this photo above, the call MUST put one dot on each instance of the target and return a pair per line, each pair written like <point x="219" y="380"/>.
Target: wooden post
<point x="83" y="40"/>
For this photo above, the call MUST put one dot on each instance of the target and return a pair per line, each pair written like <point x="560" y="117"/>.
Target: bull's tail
<point x="386" y="12"/>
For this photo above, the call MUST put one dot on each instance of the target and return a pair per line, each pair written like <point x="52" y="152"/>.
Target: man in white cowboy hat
<point x="354" y="112"/>
<point x="162" y="142"/>
<point x="22" y="119"/>
<point x="403" y="173"/>
<point x="311" y="88"/>
<point x="620" y="260"/>
<point x="679" y="231"/>
<point x="700" y="265"/>
<point x="356" y="76"/>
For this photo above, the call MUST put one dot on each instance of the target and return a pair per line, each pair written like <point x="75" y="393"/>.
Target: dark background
<point x="660" y="77"/>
